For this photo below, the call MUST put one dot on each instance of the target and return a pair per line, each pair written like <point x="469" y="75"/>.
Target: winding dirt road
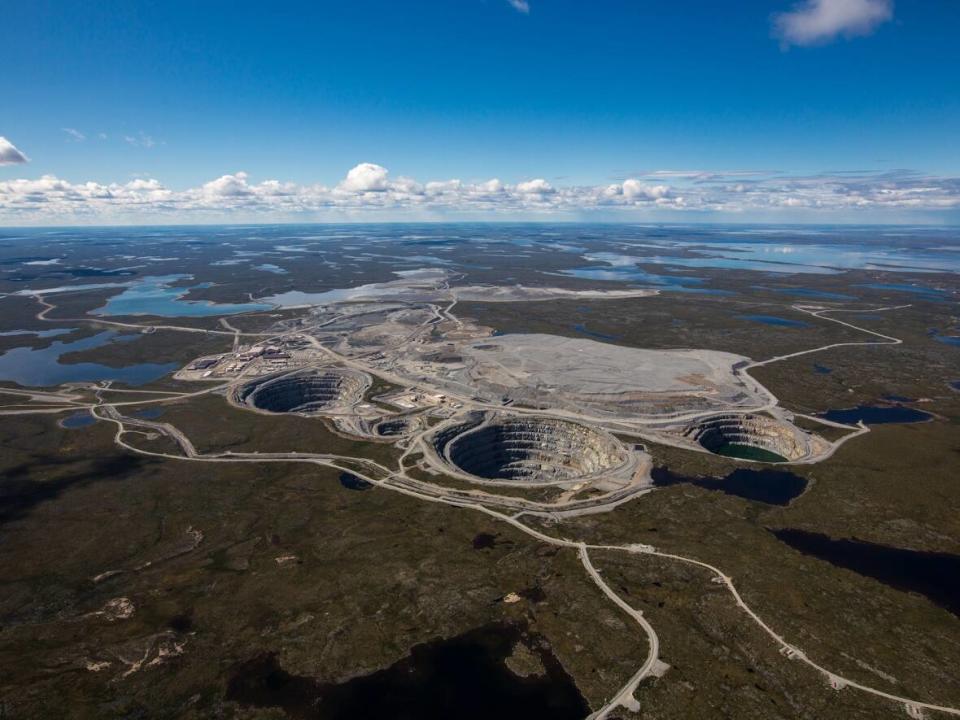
<point x="397" y="480"/>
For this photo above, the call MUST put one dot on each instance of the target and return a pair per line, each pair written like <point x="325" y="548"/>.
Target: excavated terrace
<point x="536" y="450"/>
<point x="306" y="391"/>
<point x="737" y="435"/>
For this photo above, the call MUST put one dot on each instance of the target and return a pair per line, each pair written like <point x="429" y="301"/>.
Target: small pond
<point x="876" y="415"/>
<point x="78" y="420"/>
<point x="775" y="321"/>
<point x="774" y="487"/>
<point x="352" y="482"/>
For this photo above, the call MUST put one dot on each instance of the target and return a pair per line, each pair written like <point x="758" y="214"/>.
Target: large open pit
<point x="306" y="391"/>
<point x="750" y="437"/>
<point x="536" y="450"/>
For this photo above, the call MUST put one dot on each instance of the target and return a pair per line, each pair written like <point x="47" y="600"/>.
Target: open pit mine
<point x="324" y="390"/>
<point x="527" y="450"/>
<point x="391" y="363"/>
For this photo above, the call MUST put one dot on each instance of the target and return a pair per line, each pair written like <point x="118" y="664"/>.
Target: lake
<point x="155" y="295"/>
<point x="42" y="367"/>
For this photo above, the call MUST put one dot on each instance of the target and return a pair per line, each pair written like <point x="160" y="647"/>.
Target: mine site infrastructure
<point x="495" y="411"/>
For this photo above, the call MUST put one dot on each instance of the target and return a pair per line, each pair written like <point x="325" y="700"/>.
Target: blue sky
<point x="570" y="92"/>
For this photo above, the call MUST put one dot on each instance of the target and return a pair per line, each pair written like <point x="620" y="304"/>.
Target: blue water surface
<point x="42" y="367"/>
<point x="775" y="321"/>
<point x="154" y="295"/>
<point x="876" y="415"/>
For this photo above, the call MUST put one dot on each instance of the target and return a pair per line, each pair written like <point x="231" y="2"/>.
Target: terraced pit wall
<point x="534" y="449"/>
<point x="305" y="391"/>
<point x="755" y="431"/>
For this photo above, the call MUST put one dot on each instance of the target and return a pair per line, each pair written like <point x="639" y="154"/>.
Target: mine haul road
<point x="107" y="412"/>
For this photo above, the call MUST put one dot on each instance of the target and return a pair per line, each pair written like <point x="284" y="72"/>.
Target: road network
<point x="508" y="510"/>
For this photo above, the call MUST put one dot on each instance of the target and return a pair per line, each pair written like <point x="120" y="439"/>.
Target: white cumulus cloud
<point x="75" y="134"/>
<point x="535" y="187"/>
<point x="520" y="5"/>
<point x="815" y="21"/>
<point x="368" y="191"/>
<point x="9" y="155"/>
<point x="365" y="177"/>
<point x="635" y="189"/>
<point x="227" y="186"/>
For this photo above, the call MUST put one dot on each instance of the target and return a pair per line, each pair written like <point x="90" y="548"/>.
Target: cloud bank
<point x="369" y="192"/>
<point x="9" y="155"/>
<point x="817" y="21"/>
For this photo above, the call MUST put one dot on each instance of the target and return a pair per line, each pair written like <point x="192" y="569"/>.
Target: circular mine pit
<point x="533" y="450"/>
<point x="306" y="391"/>
<point x="750" y="437"/>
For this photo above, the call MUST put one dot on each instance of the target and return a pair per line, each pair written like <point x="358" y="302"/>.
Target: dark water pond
<point x="934" y="575"/>
<point x="774" y="487"/>
<point x="955" y="384"/>
<point x="488" y="541"/>
<point x="775" y="321"/>
<point x="78" y="420"/>
<point x="822" y="369"/>
<point x="352" y="482"/>
<point x="876" y="415"/>
<point x="463" y="677"/>
<point x="948" y="339"/>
